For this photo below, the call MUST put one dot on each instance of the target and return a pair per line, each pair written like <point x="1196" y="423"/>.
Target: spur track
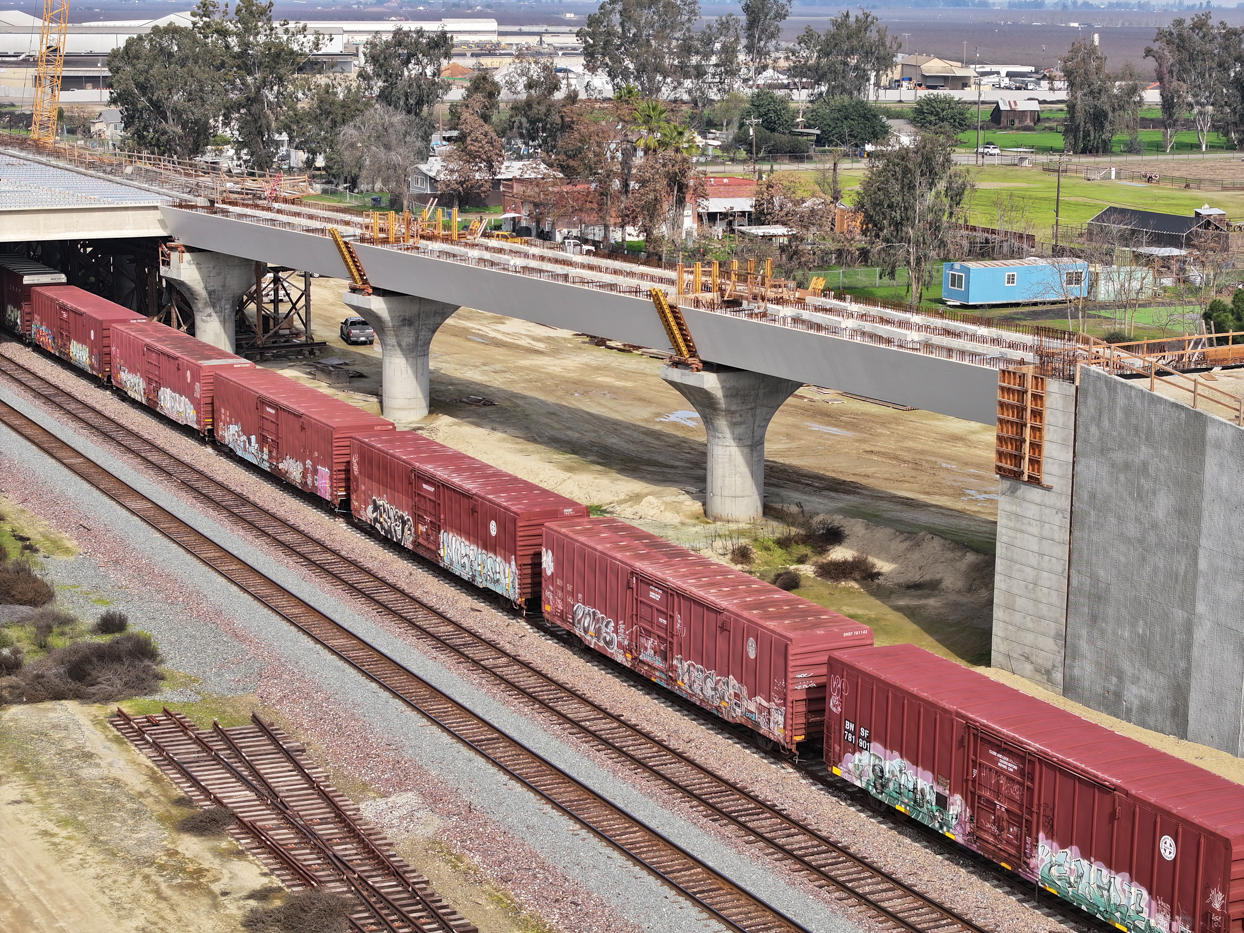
<point x="849" y="877"/>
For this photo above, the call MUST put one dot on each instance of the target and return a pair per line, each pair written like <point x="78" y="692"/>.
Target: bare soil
<point x="88" y="834"/>
<point x="600" y="426"/>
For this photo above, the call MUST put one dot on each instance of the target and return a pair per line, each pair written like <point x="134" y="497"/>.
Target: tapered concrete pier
<point x="736" y="407"/>
<point x="213" y="283"/>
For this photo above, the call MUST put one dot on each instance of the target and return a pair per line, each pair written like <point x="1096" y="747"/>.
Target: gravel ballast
<point x="245" y="648"/>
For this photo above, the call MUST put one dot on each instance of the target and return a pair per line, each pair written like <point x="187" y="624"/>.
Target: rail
<point x="775" y="834"/>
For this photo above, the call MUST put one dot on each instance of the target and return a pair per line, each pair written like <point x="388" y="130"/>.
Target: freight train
<point x="1136" y="837"/>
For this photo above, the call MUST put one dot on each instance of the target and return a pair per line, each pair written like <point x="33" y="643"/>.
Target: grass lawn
<point x="1081" y="199"/>
<point x="1051" y="140"/>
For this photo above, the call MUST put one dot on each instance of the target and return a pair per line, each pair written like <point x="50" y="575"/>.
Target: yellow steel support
<point x="51" y="68"/>
<point x="440" y="223"/>
<point x="678" y="285"/>
<point x="675" y="327"/>
<point x="358" y="278"/>
<point x="715" y="276"/>
<point x="453" y="226"/>
<point x="697" y="278"/>
<point x="406" y="226"/>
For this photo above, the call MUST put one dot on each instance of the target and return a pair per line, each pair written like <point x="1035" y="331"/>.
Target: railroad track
<point x="850" y="878"/>
<point x="285" y="814"/>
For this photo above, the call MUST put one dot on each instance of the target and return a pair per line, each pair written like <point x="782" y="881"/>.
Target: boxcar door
<point x="153" y="364"/>
<point x="427" y="512"/>
<point x="650" y="640"/>
<point x="269" y="432"/>
<point x="63" y="335"/>
<point x="1000" y="795"/>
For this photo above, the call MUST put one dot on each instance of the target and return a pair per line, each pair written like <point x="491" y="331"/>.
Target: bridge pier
<point x="736" y="407"/>
<point x="405" y="325"/>
<point x="213" y="283"/>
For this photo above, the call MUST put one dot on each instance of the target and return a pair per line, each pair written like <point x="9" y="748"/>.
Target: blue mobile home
<point x="1015" y="281"/>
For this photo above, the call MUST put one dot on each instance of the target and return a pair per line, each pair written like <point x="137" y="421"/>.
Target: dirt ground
<point x="1210" y="169"/>
<point x="88" y="839"/>
<point x="601" y="427"/>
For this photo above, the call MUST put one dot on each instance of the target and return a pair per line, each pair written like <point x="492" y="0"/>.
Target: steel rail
<point x="721" y="898"/>
<point x="768" y="830"/>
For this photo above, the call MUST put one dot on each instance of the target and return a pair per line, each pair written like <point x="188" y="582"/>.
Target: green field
<point x="1052" y="141"/>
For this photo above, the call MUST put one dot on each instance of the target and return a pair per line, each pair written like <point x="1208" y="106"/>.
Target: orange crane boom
<point x="51" y="68"/>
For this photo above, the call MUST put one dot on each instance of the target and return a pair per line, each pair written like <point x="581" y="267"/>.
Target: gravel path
<point x="242" y="648"/>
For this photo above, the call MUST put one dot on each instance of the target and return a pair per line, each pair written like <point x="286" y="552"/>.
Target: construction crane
<point x="51" y="68"/>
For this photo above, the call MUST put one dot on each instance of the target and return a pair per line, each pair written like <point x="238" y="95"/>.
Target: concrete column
<point x="404" y="327"/>
<point x="213" y="283"/>
<point x="736" y="407"/>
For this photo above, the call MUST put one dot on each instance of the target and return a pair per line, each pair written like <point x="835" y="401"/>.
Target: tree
<point x="1231" y="63"/>
<point x="1091" y="108"/>
<point x="168" y="91"/>
<point x="774" y="112"/>
<point x="1225" y="317"/>
<point x="762" y="28"/>
<point x="482" y="97"/>
<point x="711" y="60"/>
<point x="380" y="148"/>
<point x="942" y="112"/>
<point x="536" y="118"/>
<point x="596" y="148"/>
<point x="844" y="60"/>
<point x="1171" y="93"/>
<point x="473" y="162"/>
<point x="1191" y="52"/>
<point x="847" y="121"/>
<point x="262" y="65"/>
<point x="649" y="43"/>
<point x="911" y="198"/>
<point x="316" y="126"/>
<point x="664" y="183"/>
<point x="403" y="71"/>
<point x="779" y="201"/>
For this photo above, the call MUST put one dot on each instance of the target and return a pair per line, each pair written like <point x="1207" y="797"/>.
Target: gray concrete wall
<point x="1155" y="609"/>
<point x="1030" y="570"/>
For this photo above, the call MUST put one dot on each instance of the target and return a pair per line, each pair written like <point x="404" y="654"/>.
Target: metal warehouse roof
<point x="1019" y="105"/>
<point x="25" y="185"/>
<point x="1147" y="221"/>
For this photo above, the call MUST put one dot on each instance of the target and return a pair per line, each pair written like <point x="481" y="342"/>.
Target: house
<point x="1015" y="281"/>
<point x="777" y="234"/>
<point x="425" y="178"/>
<point x="554" y="209"/>
<point x="730" y="202"/>
<point x="1207" y="226"/>
<point x="929" y="71"/>
<point x="1016" y="113"/>
<point x="108" y="125"/>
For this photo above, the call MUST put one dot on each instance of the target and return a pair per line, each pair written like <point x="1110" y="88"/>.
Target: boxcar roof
<point x="1114" y="759"/>
<point x="302" y="399"/>
<point x="27" y="268"/>
<point x="178" y="343"/>
<point x="470" y="474"/>
<point x="81" y="300"/>
<point x="714" y="583"/>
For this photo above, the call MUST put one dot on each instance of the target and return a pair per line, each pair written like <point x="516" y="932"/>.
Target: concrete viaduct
<point x="756" y="364"/>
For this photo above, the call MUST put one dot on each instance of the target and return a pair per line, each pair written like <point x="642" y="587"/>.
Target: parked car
<point x="356" y="330"/>
<point x="989" y="149"/>
<point x="503" y="235"/>
<point x="577" y="247"/>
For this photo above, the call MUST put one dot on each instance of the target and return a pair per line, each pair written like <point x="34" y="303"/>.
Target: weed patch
<point x="21" y="586"/>
<point x="311" y="911"/>
<point x="111" y="622"/>
<point x="788" y="580"/>
<point x="214" y="821"/>
<point x="93" y="672"/>
<point x="846" y="569"/>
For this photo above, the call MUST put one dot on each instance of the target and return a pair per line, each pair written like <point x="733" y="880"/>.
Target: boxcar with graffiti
<point x="292" y="430"/>
<point x="748" y="651"/>
<point x="76" y="326"/>
<point x="473" y="519"/>
<point x="169" y="371"/>
<point x="18" y="276"/>
<point x="1141" y="839"/>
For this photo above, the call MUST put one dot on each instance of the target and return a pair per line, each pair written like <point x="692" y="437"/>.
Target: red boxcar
<point x="289" y="429"/>
<point x="18" y="275"/>
<point x="480" y="522"/>
<point x="1137" y="837"/>
<point x="76" y="325"/>
<point x="169" y="371"/>
<point x="750" y="652"/>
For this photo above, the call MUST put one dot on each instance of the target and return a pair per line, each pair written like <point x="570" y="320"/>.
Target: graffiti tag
<point x="245" y="447"/>
<point x="177" y="407"/>
<point x="80" y="354"/>
<point x="898" y="782"/>
<point x="477" y="565"/>
<point x="598" y="630"/>
<point x="1113" y="896"/>
<point x="133" y="385"/>
<point x="391" y="522"/>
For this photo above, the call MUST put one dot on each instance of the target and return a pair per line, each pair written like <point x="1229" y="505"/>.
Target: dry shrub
<point x="47" y="620"/>
<point x="313" y="911"/>
<point x="213" y="821"/>
<point x="94" y="672"/>
<point x="787" y="580"/>
<point x="11" y="660"/>
<point x="819" y="534"/>
<point x="21" y="586"/>
<point x="742" y="553"/>
<point x="846" y="569"/>
<point x="111" y="622"/>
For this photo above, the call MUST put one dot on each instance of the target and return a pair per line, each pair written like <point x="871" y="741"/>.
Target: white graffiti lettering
<point x="598" y="630"/>
<point x="293" y="469"/>
<point x="1113" y="896"/>
<point x="133" y="385"/>
<point x="477" y="565"/>
<point x="245" y="447"/>
<point x="177" y="407"/>
<point x="323" y="482"/>
<point x="80" y="354"/>
<point x="898" y="782"/>
<point x="391" y="522"/>
<point x="729" y="698"/>
<point x="546" y="561"/>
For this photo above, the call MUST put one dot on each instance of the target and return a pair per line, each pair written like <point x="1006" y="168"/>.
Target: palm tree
<point x="651" y="121"/>
<point x="678" y="138"/>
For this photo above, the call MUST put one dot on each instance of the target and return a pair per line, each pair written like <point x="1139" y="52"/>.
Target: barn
<point x="1015" y="281"/>
<point x="1130" y="227"/>
<point x="1016" y="113"/>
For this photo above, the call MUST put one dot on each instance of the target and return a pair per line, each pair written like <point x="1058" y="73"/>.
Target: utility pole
<point x="979" y="157"/>
<point x="1058" y="196"/>
<point x="751" y="125"/>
